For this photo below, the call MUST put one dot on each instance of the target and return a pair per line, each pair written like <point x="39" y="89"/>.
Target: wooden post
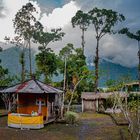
<point x="17" y="103"/>
<point x="97" y="105"/>
<point x="47" y="118"/>
<point x="82" y="105"/>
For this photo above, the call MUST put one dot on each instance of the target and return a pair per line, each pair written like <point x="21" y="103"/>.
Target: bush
<point x="71" y="117"/>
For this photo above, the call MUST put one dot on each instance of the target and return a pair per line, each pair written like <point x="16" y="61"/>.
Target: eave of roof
<point x="31" y="86"/>
<point x="93" y="96"/>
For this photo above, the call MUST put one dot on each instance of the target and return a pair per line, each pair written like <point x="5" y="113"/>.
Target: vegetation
<point x="103" y="20"/>
<point x="71" y="61"/>
<point x="26" y="25"/>
<point x="81" y="19"/>
<point x="5" y="79"/>
<point x="71" y="117"/>
<point x="46" y="62"/>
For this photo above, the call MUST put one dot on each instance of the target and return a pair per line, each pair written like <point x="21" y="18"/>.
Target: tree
<point x="5" y="79"/>
<point x="135" y="36"/>
<point x="25" y="25"/>
<point x="103" y="20"/>
<point x="130" y="110"/>
<point x="46" y="62"/>
<point x="44" y="38"/>
<point x="81" y="19"/>
<point x="64" y="55"/>
<point x="84" y="74"/>
<point x="73" y="62"/>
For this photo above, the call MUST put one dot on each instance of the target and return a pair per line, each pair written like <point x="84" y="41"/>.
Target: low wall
<point x="25" y="121"/>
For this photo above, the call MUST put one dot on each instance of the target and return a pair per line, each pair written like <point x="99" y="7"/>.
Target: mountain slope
<point x="110" y="70"/>
<point x="10" y="59"/>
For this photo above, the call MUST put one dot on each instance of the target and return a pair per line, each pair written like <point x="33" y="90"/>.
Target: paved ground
<point x="90" y="127"/>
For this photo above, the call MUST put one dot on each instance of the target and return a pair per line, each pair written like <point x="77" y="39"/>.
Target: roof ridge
<point x="50" y="86"/>
<point x="39" y="85"/>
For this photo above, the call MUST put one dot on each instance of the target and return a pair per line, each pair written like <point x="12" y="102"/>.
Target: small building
<point x="131" y="87"/>
<point x="94" y="101"/>
<point x="36" y="104"/>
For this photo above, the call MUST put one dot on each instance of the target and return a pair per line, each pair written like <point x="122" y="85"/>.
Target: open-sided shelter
<point x="36" y="104"/>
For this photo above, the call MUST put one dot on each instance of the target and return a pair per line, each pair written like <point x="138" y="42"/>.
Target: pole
<point x="64" y="87"/>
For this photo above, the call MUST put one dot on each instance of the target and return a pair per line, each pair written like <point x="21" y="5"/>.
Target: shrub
<point x="71" y="117"/>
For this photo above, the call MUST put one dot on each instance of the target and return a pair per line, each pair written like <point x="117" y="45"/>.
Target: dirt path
<point x="91" y="127"/>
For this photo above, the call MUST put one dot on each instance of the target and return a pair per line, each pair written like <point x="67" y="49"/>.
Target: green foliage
<point x="5" y="79"/>
<point x="126" y="31"/>
<point x="75" y="60"/>
<point x="104" y="20"/>
<point x="117" y="85"/>
<point x="71" y="117"/>
<point x="44" y="38"/>
<point x="81" y="19"/>
<point x="133" y="101"/>
<point x="76" y="71"/>
<point x="25" y="23"/>
<point x="46" y="62"/>
<point x="68" y="95"/>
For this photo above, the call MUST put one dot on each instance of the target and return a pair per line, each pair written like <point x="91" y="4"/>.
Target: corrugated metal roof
<point x="31" y="86"/>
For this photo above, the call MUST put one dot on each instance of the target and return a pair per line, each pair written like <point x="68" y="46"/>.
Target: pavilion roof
<point x="31" y="86"/>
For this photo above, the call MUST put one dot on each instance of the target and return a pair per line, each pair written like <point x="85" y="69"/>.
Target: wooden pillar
<point x="97" y="104"/>
<point x="82" y="105"/>
<point x="17" y="103"/>
<point x="47" y="118"/>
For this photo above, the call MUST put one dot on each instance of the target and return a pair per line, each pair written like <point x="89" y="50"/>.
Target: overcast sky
<point x="58" y="13"/>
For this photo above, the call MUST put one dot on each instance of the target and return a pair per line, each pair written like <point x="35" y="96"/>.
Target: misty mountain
<point x="109" y="70"/>
<point x="10" y="59"/>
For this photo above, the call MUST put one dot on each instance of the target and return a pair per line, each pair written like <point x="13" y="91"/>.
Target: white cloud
<point x="10" y="9"/>
<point x="118" y="49"/>
<point x="60" y="17"/>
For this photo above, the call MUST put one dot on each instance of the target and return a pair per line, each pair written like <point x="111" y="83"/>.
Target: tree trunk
<point x="73" y="93"/>
<point x="23" y="66"/>
<point x="96" y="61"/>
<point x="139" y="64"/>
<point x="83" y="40"/>
<point x="30" y="58"/>
<point x="64" y="88"/>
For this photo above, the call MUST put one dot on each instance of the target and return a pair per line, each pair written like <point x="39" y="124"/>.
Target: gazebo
<point x="36" y="104"/>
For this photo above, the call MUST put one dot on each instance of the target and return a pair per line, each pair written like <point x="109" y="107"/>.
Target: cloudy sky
<point x="58" y="13"/>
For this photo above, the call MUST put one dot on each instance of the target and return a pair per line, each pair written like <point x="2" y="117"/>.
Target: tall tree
<point x="135" y="36"/>
<point x="25" y="25"/>
<point x="103" y="20"/>
<point x="74" y="59"/>
<point x="81" y="19"/>
<point x="64" y="55"/>
<point x="46" y="60"/>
